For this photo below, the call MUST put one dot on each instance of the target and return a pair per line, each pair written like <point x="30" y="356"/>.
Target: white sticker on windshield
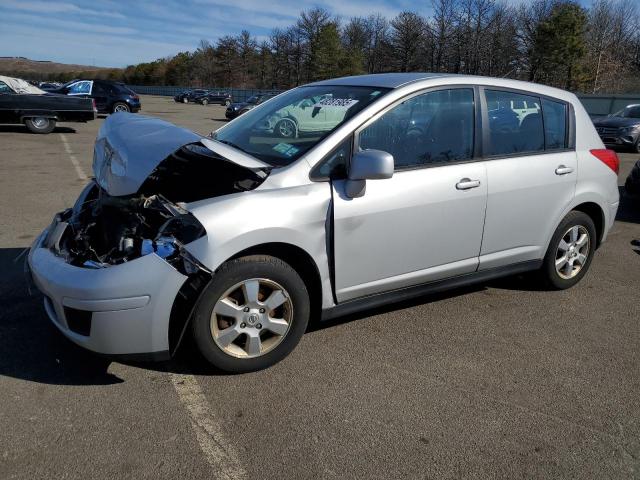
<point x="344" y="103"/>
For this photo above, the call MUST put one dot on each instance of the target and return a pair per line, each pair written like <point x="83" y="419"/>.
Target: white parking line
<point x="220" y="454"/>
<point x="74" y="160"/>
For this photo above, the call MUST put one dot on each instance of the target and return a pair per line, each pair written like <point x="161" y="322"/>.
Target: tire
<point x="636" y="147"/>
<point x="576" y="247"/>
<point x="40" y="124"/>
<point x="286" y="128"/>
<point x="227" y="103"/>
<point x="205" y="101"/>
<point x="120" y="107"/>
<point x="231" y="351"/>
<point x="185" y="100"/>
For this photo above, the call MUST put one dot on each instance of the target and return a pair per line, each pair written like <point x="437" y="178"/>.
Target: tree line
<point x="554" y="42"/>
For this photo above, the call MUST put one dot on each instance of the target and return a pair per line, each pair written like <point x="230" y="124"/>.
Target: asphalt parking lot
<point x="496" y="381"/>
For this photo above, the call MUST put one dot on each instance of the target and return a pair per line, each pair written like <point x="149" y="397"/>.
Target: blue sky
<point x="119" y="33"/>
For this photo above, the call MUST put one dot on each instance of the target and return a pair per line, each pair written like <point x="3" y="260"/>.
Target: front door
<point x="425" y="223"/>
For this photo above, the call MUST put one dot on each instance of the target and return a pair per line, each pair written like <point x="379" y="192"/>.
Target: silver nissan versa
<point x="329" y="198"/>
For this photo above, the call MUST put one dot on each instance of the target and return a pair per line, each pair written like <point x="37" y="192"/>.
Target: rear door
<point x="100" y="94"/>
<point x="531" y="171"/>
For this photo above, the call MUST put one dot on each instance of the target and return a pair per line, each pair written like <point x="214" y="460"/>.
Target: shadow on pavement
<point x="31" y="348"/>
<point x="23" y="129"/>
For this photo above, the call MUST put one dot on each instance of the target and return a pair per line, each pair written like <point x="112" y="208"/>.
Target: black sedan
<point x="110" y="97"/>
<point x="236" y="109"/>
<point x="621" y="129"/>
<point x="189" y="95"/>
<point x="40" y="110"/>
<point x="220" y="98"/>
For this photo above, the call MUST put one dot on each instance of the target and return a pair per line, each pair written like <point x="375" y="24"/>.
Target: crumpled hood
<point x="130" y="146"/>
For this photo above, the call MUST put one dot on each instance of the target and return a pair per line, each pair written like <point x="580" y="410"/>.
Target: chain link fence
<point x="594" y="104"/>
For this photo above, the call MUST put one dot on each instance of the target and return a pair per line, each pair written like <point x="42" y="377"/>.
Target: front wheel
<point x="636" y="148"/>
<point x="205" y="101"/>
<point x="185" y="100"/>
<point x="40" y="124"/>
<point x="227" y="103"/>
<point x="570" y="252"/>
<point x="251" y="315"/>
<point x="286" y="128"/>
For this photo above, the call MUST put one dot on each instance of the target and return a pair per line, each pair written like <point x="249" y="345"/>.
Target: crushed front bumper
<point x="119" y="310"/>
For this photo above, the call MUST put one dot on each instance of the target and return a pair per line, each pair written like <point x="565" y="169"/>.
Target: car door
<point x="80" y="89"/>
<point x="101" y="96"/>
<point x="425" y="223"/>
<point x="9" y="104"/>
<point x="532" y="173"/>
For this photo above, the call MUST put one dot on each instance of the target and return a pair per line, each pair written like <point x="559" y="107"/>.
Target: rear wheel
<point x="637" y="146"/>
<point x="251" y="315"/>
<point x="185" y="100"/>
<point x="227" y="103"/>
<point x="40" y="124"/>
<point x="120" y="107"/>
<point x="205" y="101"/>
<point x="570" y="252"/>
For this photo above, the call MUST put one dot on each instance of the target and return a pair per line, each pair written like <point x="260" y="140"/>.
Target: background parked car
<point x="236" y="109"/>
<point x="221" y="98"/>
<point x="21" y="102"/>
<point x="110" y="97"/>
<point x="189" y="95"/>
<point x="620" y="129"/>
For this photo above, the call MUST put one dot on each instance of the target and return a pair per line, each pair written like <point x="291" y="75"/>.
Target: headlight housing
<point x="631" y="129"/>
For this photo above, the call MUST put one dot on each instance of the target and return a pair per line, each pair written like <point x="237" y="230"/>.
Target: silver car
<point x="422" y="182"/>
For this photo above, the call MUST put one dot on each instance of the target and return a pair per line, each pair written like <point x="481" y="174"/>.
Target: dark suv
<point x="236" y="109"/>
<point x="110" y="97"/>
<point x="220" y="98"/>
<point x="620" y="129"/>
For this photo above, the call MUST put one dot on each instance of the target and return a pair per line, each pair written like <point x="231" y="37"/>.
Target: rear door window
<point x="511" y="129"/>
<point x="555" y="124"/>
<point x="4" y="88"/>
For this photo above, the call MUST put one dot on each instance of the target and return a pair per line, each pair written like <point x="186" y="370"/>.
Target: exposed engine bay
<point x="103" y="230"/>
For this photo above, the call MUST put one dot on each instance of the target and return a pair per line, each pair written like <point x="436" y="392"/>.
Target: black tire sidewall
<point x="113" y="109"/>
<point x="295" y="129"/>
<point x="236" y="271"/>
<point x="549" y="268"/>
<point x="51" y="125"/>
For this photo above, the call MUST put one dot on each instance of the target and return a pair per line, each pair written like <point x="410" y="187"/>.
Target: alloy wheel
<point x="572" y="252"/>
<point x="120" y="108"/>
<point x="40" y="122"/>
<point x="251" y="318"/>
<point x="286" y="128"/>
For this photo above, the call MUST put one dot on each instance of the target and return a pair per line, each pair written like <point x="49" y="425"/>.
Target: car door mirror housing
<point x="371" y="165"/>
<point x="367" y="165"/>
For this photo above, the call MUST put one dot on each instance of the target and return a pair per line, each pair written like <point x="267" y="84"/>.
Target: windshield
<point x="253" y="100"/>
<point x="282" y="129"/>
<point x="629" y="112"/>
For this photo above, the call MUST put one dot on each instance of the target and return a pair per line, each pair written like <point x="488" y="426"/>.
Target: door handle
<point x="467" y="183"/>
<point x="562" y="170"/>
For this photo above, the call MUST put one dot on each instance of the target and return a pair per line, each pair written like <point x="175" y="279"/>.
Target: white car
<point x="413" y="187"/>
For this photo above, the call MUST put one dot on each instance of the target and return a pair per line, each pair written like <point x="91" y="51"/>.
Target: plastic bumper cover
<point x="130" y="303"/>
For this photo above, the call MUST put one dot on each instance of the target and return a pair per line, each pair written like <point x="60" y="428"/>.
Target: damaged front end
<point x="145" y="176"/>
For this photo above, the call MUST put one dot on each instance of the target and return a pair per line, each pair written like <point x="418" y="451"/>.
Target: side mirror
<point x="367" y="165"/>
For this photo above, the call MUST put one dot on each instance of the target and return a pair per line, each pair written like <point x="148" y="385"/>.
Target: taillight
<point x="608" y="157"/>
<point x="93" y="102"/>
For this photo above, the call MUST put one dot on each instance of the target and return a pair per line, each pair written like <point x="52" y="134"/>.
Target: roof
<point x="20" y="86"/>
<point x="383" y="80"/>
